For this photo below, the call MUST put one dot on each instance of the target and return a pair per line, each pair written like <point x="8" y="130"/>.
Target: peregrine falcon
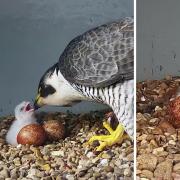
<point x="98" y="65"/>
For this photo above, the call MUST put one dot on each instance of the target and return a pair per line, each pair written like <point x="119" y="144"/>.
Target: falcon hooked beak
<point x="38" y="102"/>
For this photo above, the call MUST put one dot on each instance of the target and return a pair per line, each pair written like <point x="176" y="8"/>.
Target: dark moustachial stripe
<point x="47" y="90"/>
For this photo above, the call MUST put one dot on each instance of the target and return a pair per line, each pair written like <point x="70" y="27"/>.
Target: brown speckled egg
<point x="54" y="130"/>
<point x="174" y="111"/>
<point x="32" y="134"/>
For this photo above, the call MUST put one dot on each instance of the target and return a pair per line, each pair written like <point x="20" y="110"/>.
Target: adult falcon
<point x="96" y="66"/>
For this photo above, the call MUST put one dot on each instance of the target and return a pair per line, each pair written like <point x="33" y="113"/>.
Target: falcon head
<point x="54" y="90"/>
<point x="24" y="111"/>
<point x="48" y="88"/>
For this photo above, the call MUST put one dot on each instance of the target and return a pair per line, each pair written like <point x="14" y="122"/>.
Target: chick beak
<point x="36" y="106"/>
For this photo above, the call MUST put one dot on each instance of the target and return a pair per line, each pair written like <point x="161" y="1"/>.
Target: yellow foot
<point x="108" y="140"/>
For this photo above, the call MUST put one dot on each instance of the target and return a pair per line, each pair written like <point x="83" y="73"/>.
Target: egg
<point x="174" y="112"/>
<point x="32" y="134"/>
<point x="54" y="130"/>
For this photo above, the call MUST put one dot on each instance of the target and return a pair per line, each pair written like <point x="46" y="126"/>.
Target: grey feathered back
<point x="100" y="57"/>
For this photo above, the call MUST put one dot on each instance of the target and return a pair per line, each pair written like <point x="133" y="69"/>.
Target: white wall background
<point x="158" y="38"/>
<point x="34" y="33"/>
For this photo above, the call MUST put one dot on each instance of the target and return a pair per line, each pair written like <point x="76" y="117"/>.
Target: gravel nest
<point x="158" y="142"/>
<point x="68" y="158"/>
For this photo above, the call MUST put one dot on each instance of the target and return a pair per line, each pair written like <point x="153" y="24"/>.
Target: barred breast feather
<point x="119" y="96"/>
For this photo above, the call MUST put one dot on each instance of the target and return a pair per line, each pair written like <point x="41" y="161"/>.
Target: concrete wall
<point x="158" y="38"/>
<point x="34" y="33"/>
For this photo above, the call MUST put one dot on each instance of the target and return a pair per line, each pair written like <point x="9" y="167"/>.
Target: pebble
<point x="70" y="177"/>
<point x="96" y="159"/>
<point x="13" y="174"/>
<point x="32" y="173"/>
<point x="46" y="178"/>
<point x="176" y="176"/>
<point x="90" y="154"/>
<point x="157" y="108"/>
<point x="96" y="175"/>
<point x="146" y="174"/>
<point x="142" y="137"/>
<point x="172" y="142"/>
<point x="153" y="121"/>
<point x="176" y="167"/>
<point x="17" y="162"/>
<point x="103" y="162"/>
<point x="57" y="153"/>
<point x="127" y="172"/>
<point x="109" y="169"/>
<point x="164" y="170"/>
<point x="147" y="161"/>
<point x="19" y="146"/>
<point x="158" y="150"/>
<point x="130" y="157"/>
<point x="176" y="158"/>
<point x="4" y="173"/>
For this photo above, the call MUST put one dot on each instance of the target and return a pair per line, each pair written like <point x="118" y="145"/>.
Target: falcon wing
<point x="101" y="56"/>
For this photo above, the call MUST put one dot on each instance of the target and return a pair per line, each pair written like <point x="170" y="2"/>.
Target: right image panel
<point x="158" y="92"/>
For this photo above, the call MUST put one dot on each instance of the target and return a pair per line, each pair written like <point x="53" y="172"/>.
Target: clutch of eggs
<point x="174" y="112"/>
<point x="35" y="134"/>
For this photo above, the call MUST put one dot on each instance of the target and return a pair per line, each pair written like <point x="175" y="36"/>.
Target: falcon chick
<point x="24" y="115"/>
<point x="97" y="66"/>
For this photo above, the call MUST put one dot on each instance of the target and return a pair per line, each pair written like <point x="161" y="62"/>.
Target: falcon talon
<point x="107" y="126"/>
<point x="108" y="140"/>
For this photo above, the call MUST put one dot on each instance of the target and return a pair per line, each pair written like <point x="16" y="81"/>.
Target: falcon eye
<point x="47" y="90"/>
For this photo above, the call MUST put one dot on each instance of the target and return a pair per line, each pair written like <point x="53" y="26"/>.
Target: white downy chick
<point x="24" y="115"/>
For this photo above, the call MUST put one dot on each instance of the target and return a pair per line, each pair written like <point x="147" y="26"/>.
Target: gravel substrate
<point x="158" y="142"/>
<point x="68" y="158"/>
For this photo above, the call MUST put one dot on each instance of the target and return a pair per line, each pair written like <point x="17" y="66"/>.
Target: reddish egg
<point x="174" y="111"/>
<point x="32" y="134"/>
<point x="54" y="130"/>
